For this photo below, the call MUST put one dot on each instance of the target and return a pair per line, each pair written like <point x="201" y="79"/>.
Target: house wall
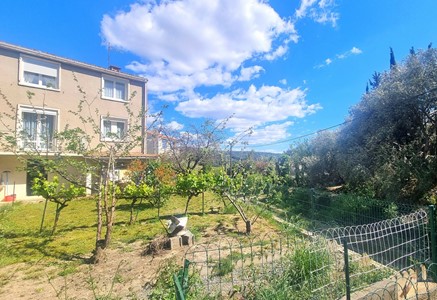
<point x="68" y="97"/>
<point x="10" y="164"/>
<point x="15" y="180"/>
<point x="76" y="82"/>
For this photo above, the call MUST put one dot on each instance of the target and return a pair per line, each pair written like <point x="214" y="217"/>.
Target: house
<point x="158" y="143"/>
<point x="41" y="91"/>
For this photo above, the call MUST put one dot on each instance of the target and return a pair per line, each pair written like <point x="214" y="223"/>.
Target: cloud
<point x="186" y="44"/>
<point x="270" y="133"/>
<point x="305" y="5"/>
<point x="280" y="51"/>
<point x="353" y="51"/>
<point x="328" y="61"/>
<point x="173" y="125"/>
<point x="261" y="135"/>
<point x="356" y="50"/>
<point x="321" y="11"/>
<point x="283" y="81"/>
<point x="248" y="73"/>
<point x="251" y="107"/>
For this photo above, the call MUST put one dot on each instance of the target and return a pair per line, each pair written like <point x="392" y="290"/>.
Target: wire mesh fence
<point x="235" y="265"/>
<point x="390" y="259"/>
<point x="326" y="210"/>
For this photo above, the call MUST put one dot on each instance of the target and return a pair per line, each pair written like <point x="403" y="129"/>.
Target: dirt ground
<point x="125" y="273"/>
<point x="132" y="273"/>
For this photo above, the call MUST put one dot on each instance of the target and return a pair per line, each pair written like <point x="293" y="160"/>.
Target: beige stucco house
<point x="158" y="143"/>
<point x="41" y="91"/>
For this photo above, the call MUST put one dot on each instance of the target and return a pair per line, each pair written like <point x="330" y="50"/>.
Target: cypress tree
<point x="392" y="59"/>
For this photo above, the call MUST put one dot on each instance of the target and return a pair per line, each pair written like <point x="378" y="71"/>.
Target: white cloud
<point x="280" y="51"/>
<point x="305" y="5"/>
<point x="328" y="61"/>
<point x="353" y="51"/>
<point x="261" y="135"/>
<point x="356" y="50"/>
<point x="320" y="11"/>
<point x="251" y="107"/>
<point x="186" y="44"/>
<point x="247" y="74"/>
<point x="173" y="125"/>
<point x="283" y="81"/>
<point x="270" y="133"/>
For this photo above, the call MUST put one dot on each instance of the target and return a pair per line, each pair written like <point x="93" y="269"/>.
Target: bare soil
<point x="127" y="271"/>
<point x="124" y="274"/>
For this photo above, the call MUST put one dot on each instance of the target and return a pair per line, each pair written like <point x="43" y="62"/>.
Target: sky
<point x="282" y="68"/>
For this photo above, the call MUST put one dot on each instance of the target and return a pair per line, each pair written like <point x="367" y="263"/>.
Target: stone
<point x="188" y="238"/>
<point x="174" y="242"/>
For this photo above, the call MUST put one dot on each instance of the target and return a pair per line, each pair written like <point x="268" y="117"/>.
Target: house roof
<point x="64" y="60"/>
<point x="157" y="134"/>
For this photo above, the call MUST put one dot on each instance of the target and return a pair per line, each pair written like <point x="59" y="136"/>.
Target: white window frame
<point x="114" y="121"/>
<point x="115" y="81"/>
<point x="38" y="142"/>
<point x="41" y="69"/>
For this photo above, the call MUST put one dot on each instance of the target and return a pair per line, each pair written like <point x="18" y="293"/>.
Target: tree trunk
<point x="138" y="209"/>
<point x="188" y="202"/>
<point x="110" y="220"/>
<point x="99" y="214"/>
<point x="132" y="208"/>
<point x="248" y="227"/>
<point x="111" y="213"/>
<point x="43" y="216"/>
<point x="58" y="212"/>
<point x="203" y="203"/>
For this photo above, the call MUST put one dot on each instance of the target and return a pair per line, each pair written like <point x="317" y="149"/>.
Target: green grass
<point x="21" y="241"/>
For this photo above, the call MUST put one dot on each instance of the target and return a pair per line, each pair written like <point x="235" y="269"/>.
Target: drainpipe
<point x="143" y="118"/>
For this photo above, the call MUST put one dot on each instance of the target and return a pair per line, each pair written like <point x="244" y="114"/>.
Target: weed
<point x="229" y="210"/>
<point x="305" y="263"/>
<point x="68" y="270"/>
<point x="164" y="286"/>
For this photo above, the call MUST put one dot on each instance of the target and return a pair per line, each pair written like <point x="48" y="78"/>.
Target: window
<point x="114" y="89"/>
<point x="113" y="129"/>
<point x="164" y="144"/>
<point x="39" y="73"/>
<point x="38" y="127"/>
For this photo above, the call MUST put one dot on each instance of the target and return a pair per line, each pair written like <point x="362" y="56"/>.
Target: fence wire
<point x="389" y="259"/>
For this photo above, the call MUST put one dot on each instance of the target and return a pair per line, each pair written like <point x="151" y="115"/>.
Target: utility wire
<point x="328" y="128"/>
<point x="298" y="137"/>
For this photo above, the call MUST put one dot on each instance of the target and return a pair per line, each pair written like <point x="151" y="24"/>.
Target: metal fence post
<point x="346" y="270"/>
<point x="178" y="288"/>
<point x="181" y="281"/>
<point x="432" y="229"/>
<point x="185" y="275"/>
<point x="313" y="201"/>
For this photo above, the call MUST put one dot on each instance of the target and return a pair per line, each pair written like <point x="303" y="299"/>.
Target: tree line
<point x="387" y="146"/>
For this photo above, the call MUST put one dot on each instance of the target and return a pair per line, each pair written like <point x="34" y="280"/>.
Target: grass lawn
<point x="74" y="239"/>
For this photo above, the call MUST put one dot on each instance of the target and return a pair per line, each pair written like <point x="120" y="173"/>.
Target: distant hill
<point x="237" y="155"/>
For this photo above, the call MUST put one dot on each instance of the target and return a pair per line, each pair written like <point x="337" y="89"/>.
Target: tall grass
<point x="306" y="266"/>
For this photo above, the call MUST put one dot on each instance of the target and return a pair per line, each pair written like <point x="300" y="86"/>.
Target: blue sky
<point x="285" y="68"/>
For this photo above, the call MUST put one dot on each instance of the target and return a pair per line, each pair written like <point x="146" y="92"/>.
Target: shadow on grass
<point x="137" y="206"/>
